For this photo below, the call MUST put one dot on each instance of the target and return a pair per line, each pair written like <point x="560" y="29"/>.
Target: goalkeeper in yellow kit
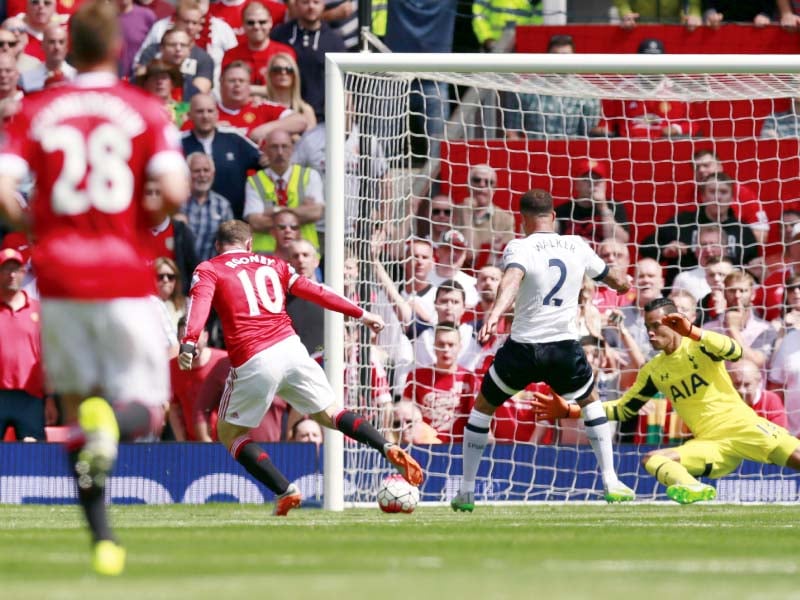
<point x="690" y="371"/>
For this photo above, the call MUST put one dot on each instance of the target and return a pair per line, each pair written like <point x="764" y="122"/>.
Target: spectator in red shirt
<point x="22" y="397"/>
<point x="196" y="393"/>
<point x="746" y="377"/>
<point x="38" y="15"/>
<point x="238" y="109"/>
<point x="256" y="48"/>
<point x="444" y="391"/>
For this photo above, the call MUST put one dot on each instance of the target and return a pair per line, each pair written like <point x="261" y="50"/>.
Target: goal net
<point x="638" y="152"/>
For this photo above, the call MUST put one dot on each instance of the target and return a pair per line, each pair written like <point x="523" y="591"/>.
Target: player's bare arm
<point x="617" y="280"/>
<point x="509" y="286"/>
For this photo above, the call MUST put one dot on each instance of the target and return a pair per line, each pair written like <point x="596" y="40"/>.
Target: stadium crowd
<point x="243" y="80"/>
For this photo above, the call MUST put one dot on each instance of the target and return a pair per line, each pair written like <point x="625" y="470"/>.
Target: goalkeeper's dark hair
<point x="234" y="233"/>
<point x="536" y="202"/>
<point x="666" y="303"/>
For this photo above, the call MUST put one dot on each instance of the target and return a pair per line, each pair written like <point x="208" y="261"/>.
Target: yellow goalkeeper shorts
<point x="761" y="441"/>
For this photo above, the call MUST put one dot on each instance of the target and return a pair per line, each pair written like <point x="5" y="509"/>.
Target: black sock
<point x="253" y="458"/>
<point x="133" y="420"/>
<point x="361" y="430"/>
<point x="91" y="497"/>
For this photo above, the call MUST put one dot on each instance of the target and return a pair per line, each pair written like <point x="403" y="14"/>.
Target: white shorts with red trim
<point x="112" y="347"/>
<point x="284" y="369"/>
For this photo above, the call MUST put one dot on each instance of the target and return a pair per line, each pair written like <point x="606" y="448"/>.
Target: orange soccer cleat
<point x="288" y="500"/>
<point x="405" y="465"/>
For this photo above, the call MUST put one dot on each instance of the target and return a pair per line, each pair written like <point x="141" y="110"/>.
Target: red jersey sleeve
<point x="204" y="281"/>
<point x="306" y="289"/>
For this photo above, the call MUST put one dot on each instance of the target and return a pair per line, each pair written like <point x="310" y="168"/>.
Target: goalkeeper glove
<point x="186" y="355"/>
<point x="677" y="322"/>
<point x="553" y="407"/>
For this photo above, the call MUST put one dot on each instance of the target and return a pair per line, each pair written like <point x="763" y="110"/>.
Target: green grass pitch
<point x="222" y="551"/>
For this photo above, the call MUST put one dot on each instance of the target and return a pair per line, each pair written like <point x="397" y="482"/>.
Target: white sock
<point x="476" y="435"/>
<point x="599" y="434"/>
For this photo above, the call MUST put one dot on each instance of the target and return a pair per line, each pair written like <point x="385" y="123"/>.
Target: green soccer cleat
<point x="689" y="494"/>
<point x="619" y="492"/>
<point x="108" y="558"/>
<point x="463" y="502"/>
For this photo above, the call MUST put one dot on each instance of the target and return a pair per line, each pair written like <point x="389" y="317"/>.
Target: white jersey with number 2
<point x="546" y="307"/>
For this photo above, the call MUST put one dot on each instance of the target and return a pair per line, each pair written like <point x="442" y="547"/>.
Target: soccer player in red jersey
<point x="91" y="144"/>
<point x="248" y="291"/>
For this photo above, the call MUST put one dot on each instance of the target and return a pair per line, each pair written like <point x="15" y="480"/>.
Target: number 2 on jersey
<point x="562" y="276"/>
<point x="101" y="159"/>
<point x="258" y="294"/>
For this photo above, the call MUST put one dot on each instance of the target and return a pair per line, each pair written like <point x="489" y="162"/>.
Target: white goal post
<point x="376" y="88"/>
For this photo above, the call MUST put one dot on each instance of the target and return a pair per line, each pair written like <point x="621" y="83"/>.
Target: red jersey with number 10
<point x="91" y="145"/>
<point x="248" y="291"/>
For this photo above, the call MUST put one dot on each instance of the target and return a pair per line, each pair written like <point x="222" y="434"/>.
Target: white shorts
<point x="284" y="369"/>
<point x="114" y="346"/>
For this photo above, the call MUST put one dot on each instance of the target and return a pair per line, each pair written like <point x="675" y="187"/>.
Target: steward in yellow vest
<point x="295" y="194"/>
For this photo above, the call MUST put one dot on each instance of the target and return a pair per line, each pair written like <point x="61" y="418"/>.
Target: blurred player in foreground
<point x="248" y="291"/>
<point x="91" y="144"/>
<point x="542" y="278"/>
<point x="690" y="371"/>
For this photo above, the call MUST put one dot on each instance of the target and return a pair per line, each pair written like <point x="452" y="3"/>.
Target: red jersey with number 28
<point x="91" y="145"/>
<point x="248" y="292"/>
